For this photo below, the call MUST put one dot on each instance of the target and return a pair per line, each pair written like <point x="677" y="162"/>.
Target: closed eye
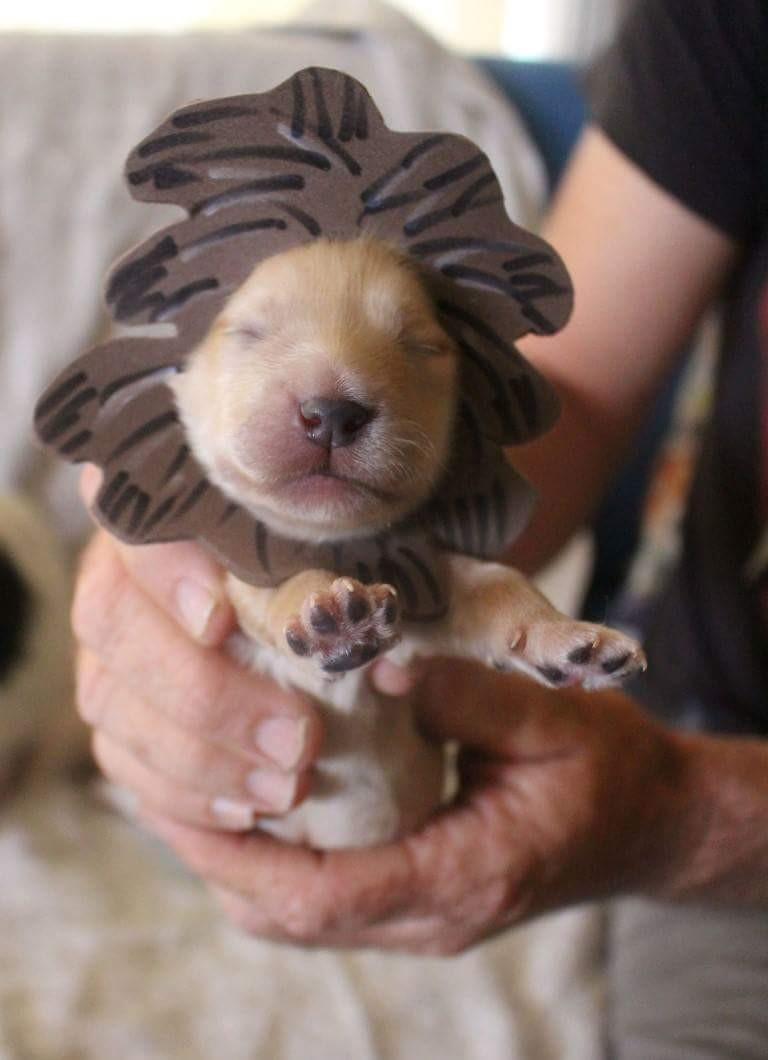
<point x="248" y="332"/>
<point x="423" y="346"/>
<point x="418" y="334"/>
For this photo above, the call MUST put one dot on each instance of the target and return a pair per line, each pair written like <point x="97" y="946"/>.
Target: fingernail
<point x="275" y="790"/>
<point x="234" y="814"/>
<point x="195" y="604"/>
<point x="282" y="740"/>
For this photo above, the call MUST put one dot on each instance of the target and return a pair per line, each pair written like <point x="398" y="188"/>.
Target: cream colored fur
<point x="353" y="321"/>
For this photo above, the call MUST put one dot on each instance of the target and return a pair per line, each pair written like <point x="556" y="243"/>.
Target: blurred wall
<point x="532" y="29"/>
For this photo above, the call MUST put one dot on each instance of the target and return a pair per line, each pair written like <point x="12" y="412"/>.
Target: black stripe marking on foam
<point x="324" y="127"/>
<point x="499" y="504"/>
<point x="181" y="296"/>
<point x="192" y="498"/>
<point x="396" y="575"/>
<point x="426" y="574"/>
<point x="176" y="464"/>
<point x="303" y="218"/>
<point x="219" y="235"/>
<point x="159" y="513"/>
<point x="228" y="512"/>
<point x="211" y="114"/>
<point x="251" y="190"/>
<point x="405" y="162"/>
<point x="261" y="541"/>
<point x="361" y="125"/>
<point x="299" y="155"/>
<point x="299" y="109"/>
<point x="450" y="176"/>
<point x="127" y="380"/>
<point x="435" y="246"/>
<point x="77" y="441"/>
<point x="347" y="120"/>
<point x="114" y="487"/>
<point x="181" y="139"/>
<point x="62" y="391"/>
<point x="480" y="505"/>
<point x="146" y="430"/>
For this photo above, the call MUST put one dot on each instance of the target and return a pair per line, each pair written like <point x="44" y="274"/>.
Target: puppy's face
<point x="323" y="397"/>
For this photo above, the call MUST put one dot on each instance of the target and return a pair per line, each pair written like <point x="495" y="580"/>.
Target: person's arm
<point x="644" y="268"/>
<point x="726" y="857"/>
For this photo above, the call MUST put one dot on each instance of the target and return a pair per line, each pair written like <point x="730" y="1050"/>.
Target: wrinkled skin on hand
<point x="175" y="720"/>
<point x="564" y="796"/>
<point x="562" y="799"/>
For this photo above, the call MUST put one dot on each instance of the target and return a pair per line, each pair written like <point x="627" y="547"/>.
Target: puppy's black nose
<point x="333" y="422"/>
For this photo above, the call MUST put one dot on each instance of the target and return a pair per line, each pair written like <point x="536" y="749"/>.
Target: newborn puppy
<point x="322" y="400"/>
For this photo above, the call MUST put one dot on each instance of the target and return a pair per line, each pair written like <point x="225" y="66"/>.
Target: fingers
<point x="427" y="935"/>
<point x="199" y="688"/>
<point x="227" y="774"/>
<point x="159" y="793"/>
<point x="395" y="896"/>
<point x="305" y="893"/>
<point x="180" y="724"/>
<point x="181" y="578"/>
<point x="459" y="869"/>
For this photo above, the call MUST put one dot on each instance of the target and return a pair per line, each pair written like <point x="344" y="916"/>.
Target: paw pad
<point x="345" y="627"/>
<point x="563" y="652"/>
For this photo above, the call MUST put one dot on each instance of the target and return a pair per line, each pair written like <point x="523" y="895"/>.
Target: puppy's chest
<point x="376" y="776"/>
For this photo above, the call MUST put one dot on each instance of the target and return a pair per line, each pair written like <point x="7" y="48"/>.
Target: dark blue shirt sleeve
<point x="683" y="92"/>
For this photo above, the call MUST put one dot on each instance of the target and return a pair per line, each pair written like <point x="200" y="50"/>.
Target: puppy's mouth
<point x="323" y="483"/>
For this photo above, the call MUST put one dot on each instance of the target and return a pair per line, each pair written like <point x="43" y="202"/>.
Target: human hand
<point x="176" y="721"/>
<point x="565" y="796"/>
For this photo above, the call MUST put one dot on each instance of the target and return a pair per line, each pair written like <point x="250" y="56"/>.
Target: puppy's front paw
<point x="345" y="627"/>
<point x="562" y="651"/>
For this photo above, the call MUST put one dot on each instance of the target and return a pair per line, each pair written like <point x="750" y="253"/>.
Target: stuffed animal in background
<point x="36" y="683"/>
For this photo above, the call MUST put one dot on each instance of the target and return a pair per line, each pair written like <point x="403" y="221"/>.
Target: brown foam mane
<point x="258" y="174"/>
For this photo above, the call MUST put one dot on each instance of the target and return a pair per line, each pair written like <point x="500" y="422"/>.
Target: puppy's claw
<point x="563" y="652"/>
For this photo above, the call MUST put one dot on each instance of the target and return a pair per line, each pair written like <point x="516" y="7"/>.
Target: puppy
<point x="323" y="400"/>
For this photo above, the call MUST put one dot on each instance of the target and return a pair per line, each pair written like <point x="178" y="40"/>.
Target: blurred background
<point x="520" y="29"/>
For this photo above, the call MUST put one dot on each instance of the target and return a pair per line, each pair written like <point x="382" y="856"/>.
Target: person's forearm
<point x="571" y="468"/>
<point x="643" y="270"/>
<point x="721" y="842"/>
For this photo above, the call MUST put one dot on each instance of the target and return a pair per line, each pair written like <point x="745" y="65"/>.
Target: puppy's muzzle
<point x="333" y="422"/>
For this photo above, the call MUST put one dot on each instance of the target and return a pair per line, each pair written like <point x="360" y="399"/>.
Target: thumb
<point x="504" y="715"/>
<point x="179" y="576"/>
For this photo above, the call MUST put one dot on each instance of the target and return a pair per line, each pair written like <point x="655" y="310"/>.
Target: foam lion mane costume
<point x="258" y="174"/>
